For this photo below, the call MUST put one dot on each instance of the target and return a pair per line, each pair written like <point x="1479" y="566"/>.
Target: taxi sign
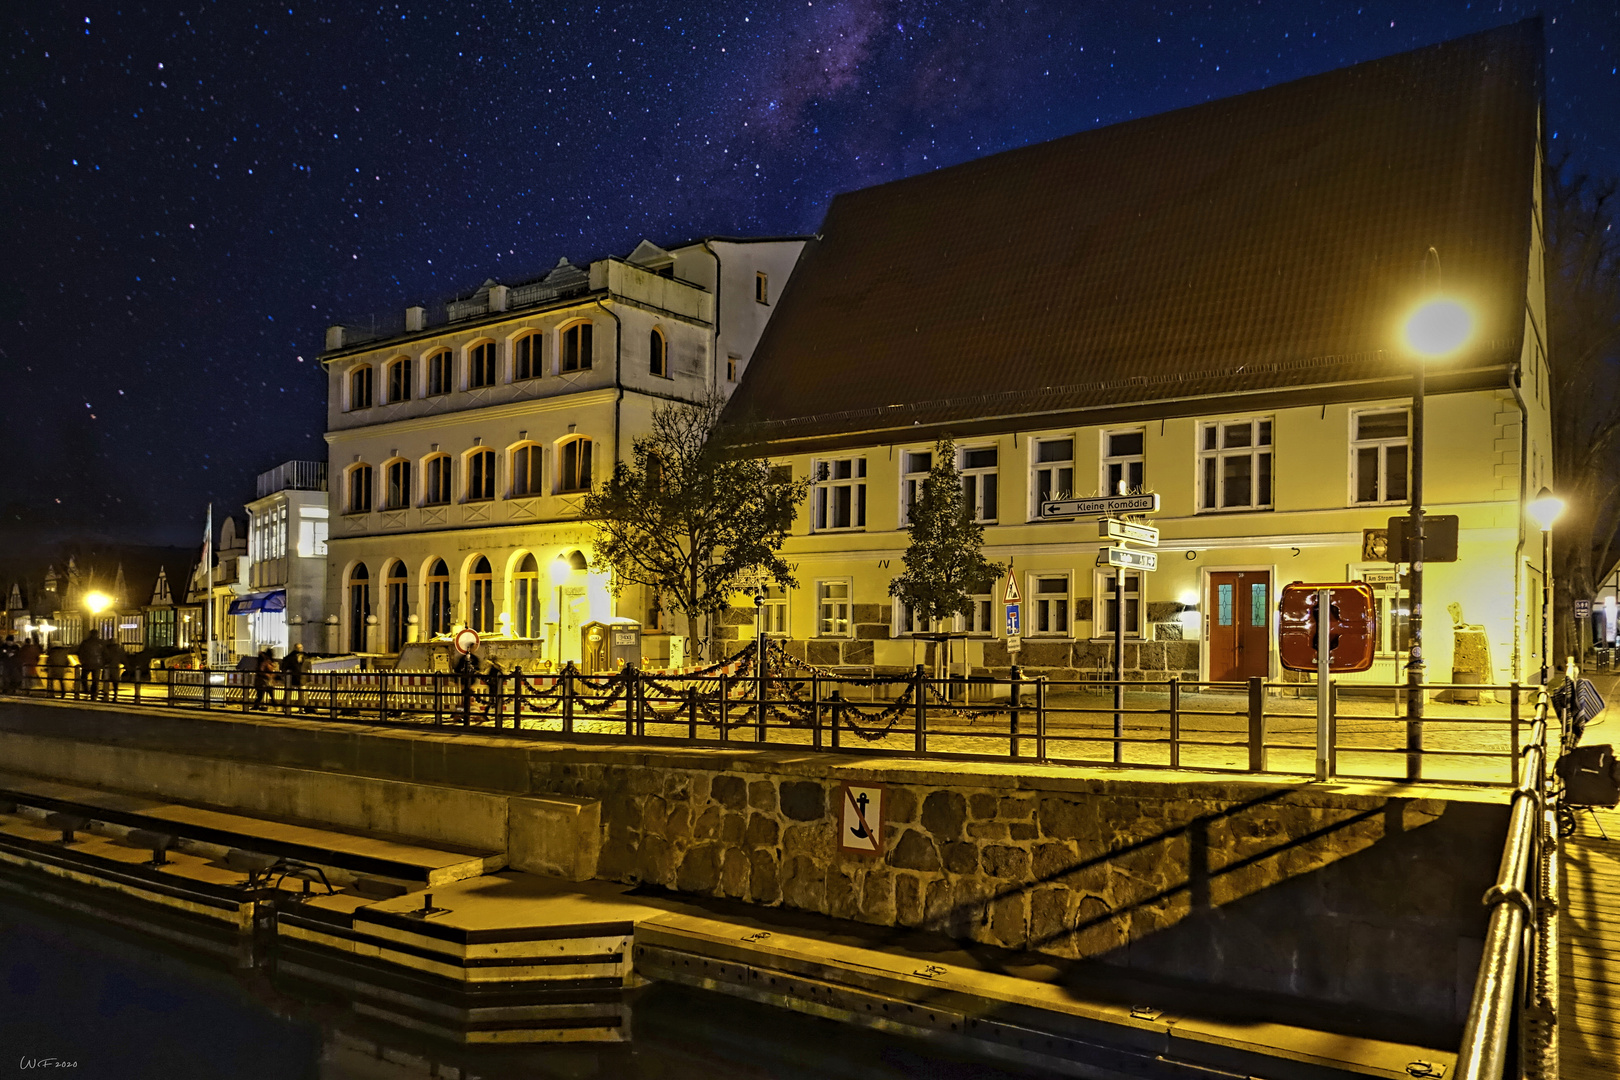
<point x="1108" y="505"/>
<point x="1114" y="529"/>
<point x="1132" y="560"/>
<point x="466" y="640"/>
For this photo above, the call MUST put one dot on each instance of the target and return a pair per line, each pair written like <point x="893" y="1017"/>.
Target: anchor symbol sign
<point x="863" y="819"/>
<point x="860" y="830"/>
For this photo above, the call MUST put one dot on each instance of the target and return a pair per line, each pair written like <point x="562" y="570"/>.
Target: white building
<point x="285" y="569"/>
<point x="460" y="451"/>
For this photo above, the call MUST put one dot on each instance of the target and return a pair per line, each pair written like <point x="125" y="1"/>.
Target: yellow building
<point x="1205" y="304"/>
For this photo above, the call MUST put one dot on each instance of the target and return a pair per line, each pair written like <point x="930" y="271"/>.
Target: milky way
<point x="195" y="191"/>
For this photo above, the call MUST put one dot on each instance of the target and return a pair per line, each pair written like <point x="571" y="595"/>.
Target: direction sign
<point x="1114" y="529"/>
<point x="1107" y="505"/>
<point x="1010" y="594"/>
<point x="1132" y="560"/>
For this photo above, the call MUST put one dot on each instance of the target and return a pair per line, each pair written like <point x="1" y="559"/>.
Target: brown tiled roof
<point x="1270" y="240"/>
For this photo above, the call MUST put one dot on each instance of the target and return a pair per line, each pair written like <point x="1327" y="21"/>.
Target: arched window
<point x="480" y="475"/>
<point x="481" y="365"/>
<point x="360" y="489"/>
<point x="441" y="373"/>
<point x="397" y="490"/>
<point x="436" y="480"/>
<point x="359" y="606"/>
<point x="360" y="387"/>
<point x="399" y="379"/>
<point x="438" y="598"/>
<point x="481" y="597"/>
<point x="657" y="353"/>
<point x="528" y="357"/>
<point x="576" y="347"/>
<point x="526" y="599"/>
<point x="527" y="476"/>
<point x="399" y="606"/>
<point x="574" y="465"/>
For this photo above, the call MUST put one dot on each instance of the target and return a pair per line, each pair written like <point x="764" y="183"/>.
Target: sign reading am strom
<point x="1108" y="506"/>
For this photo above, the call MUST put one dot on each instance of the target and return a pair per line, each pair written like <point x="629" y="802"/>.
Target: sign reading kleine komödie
<point x="1107" y="505"/>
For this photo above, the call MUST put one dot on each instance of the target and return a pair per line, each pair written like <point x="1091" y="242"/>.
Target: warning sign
<point x="860" y="829"/>
<point x="1010" y="595"/>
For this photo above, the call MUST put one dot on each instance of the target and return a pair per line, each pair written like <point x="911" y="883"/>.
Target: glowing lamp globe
<point x="97" y="602"/>
<point x="1439" y="328"/>
<point x="1545" y="508"/>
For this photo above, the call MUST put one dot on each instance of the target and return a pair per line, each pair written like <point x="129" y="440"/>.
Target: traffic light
<point x="1352" y="626"/>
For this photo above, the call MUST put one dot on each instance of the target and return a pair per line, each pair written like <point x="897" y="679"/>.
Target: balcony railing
<point x="293" y="476"/>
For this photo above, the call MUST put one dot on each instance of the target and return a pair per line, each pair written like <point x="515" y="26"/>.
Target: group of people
<point x="291" y="668"/>
<point x="27" y="665"/>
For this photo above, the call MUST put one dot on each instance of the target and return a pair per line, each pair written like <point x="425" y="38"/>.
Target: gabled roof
<point x="1263" y="241"/>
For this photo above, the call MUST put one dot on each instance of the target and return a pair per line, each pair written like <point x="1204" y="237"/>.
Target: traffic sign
<point x="1132" y="560"/>
<point x="1013" y="621"/>
<point x="1583" y="609"/>
<point x="466" y="640"/>
<point x="860" y="829"/>
<point x="1014" y="644"/>
<point x="1114" y="529"/>
<point x="1010" y="594"/>
<point x="1352" y="626"/>
<point x="1107" y="505"/>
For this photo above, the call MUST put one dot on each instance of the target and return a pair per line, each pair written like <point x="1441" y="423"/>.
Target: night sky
<point x="194" y="191"/>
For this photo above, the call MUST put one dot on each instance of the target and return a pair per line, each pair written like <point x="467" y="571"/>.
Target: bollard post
<point x="815" y="710"/>
<point x="1324" y="680"/>
<point x="1175" y="722"/>
<point x="1257" y="725"/>
<point x="1040" y="719"/>
<point x="1015" y="694"/>
<point x="921" y="704"/>
<point x="725" y="705"/>
<point x="568" y="697"/>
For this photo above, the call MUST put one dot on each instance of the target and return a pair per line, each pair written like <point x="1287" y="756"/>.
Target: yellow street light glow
<point x="1545" y="508"/>
<point x="97" y="602"/>
<point x="561" y="570"/>
<point x="1439" y="328"/>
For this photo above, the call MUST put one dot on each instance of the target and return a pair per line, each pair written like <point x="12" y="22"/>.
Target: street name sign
<point x="1132" y="560"/>
<point x="1114" y="529"/>
<point x="1108" y="506"/>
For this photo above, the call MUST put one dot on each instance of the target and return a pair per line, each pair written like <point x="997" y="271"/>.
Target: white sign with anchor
<point x="860" y="830"/>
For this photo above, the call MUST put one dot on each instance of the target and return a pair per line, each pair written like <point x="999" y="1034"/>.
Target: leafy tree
<point x="690" y="519"/>
<point x="1583" y="327"/>
<point x="945" y="565"/>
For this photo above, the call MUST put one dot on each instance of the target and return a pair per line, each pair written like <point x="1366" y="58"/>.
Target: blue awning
<point x="274" y="600"/>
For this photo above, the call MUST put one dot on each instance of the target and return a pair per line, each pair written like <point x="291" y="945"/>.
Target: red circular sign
<point x="466" y="640"/>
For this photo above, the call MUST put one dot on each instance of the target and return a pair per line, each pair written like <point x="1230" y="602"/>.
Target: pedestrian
<point x="293" y="666"/>
<point x="10" y="666"/>
<point x="29" y="655"/>
<point x="495" y="680"/>
<point x="58" y="661"/>
<point x="467" y="670"/>
<point x="263" y="673"/>
<point x="113" y="657"/>
<point x="89" y="653"/>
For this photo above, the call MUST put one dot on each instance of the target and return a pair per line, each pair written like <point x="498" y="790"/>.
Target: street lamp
<point x="1438" y="328"/>
<point x="561" y="571"/>
<point x="97" y="602"/>
<point x="1544" y="510"/>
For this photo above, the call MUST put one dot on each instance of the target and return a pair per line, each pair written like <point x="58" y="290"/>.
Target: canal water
<point x="86" y="999"/>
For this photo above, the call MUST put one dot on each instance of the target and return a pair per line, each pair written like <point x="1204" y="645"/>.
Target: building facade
<point x="460" y="451"/>
<point x="1206" y="305"/>
<point x="286" y="561"/>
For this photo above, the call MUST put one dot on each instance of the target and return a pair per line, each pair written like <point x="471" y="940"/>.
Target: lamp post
<point x="1544" y="510"/>
<point x="1437" y="329"/>
<point x="561" y="571"/>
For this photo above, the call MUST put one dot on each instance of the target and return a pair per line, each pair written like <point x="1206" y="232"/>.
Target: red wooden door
<point x="1239" y="620"/>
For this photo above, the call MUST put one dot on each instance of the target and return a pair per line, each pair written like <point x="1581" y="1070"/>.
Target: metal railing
<point x="293" y="476"/>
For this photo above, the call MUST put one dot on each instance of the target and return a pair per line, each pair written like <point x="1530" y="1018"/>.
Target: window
<point x="1049" y="604"/>
<point x="359" y="606"/>
<point x="481" y="365"/>
<point x="438" y="598"/>
<point x="1235" y="465"/>
<point x="979" y="482"/>
<point x="574" y="465"/>
<point x="528" y="357"/>
<point x="1107" y="608"/>
<point x="441" y="373"/>
<point x="1124" y="469"/>
<point x="840" y="499"/>
<point x="399" y="607"/>
<point x="360" y="388"/>
<point x="657" y="354"/>
<point x="527" y="478"/>
<point x="526" y="599"/>
<point x="1379" y="455"/>
<point x="774" y="614"/>
<point x="1054" y="471"/>
<point x="436" y="481"/>
<point x="576" y="347"/>
<point x="981" y="620"/>
<point x="908" y="621"/>
<point x="312" y="532"/>
<point x="733" y="361"/>
<point x="360" y="489"/>
<point x="833" y="608"/>
<point x="398" y="479"/>
<point x="399" y="379"/>
<point x="481" y="597"/>
<point x="762" y="288"/>
<point x="480" y="475"/>
<point x="914" y="466"/>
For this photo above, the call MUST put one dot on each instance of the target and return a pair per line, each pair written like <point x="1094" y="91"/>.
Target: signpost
<point x="1107" y="505"/>
<point x="1132" y="560"/>
<point x="1583" y="609"/>
<point x="1015" y="628"/>
<point x="1113" y="529"/>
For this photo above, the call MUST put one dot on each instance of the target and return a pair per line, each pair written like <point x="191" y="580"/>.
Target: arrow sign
<point x="1113" y="529"/>
<point x="1107" y="506"/>
<point x="1132" y="560"/>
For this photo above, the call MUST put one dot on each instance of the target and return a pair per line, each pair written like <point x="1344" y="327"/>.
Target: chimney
<point x="415" y="318"/>
<point x="497" y="298"/>
<point x="334" y="338"/>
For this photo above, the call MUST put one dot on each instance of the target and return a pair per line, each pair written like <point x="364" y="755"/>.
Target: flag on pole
<point x="208" y="587"/>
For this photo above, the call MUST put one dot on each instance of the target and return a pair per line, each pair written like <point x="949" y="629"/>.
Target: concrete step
<point x="355" y="855"/>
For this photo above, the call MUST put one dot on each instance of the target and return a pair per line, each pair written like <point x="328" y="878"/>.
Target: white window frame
<point x="986" y="510"/>
<point x="1108" y="462"/>
<point x="847" y="601"/>
<point x="1034" y="597"/>
<point x="1056" y="466"/>
<point x="911" y="481"/>
<point x="825" y="470"/>
<point x="902" y="621"/>
<point x="1383" y="447"/>
<point x="774" y="612"/>
<point x="313" y="526"/>
<point x="1102" y="594"/>
<point x="1221" y="453"/>
<point x="984" y="606"/>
